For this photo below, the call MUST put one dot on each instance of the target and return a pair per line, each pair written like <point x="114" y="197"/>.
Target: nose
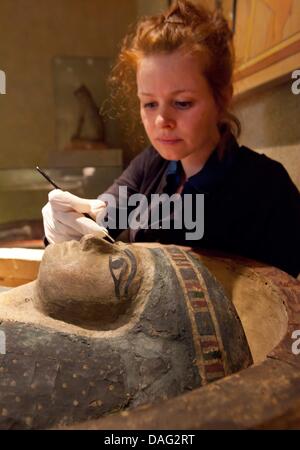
<point x="164" y="119"/>
<point x="95" y="241"/>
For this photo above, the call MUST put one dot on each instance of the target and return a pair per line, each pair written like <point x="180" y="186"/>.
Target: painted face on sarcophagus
<point x="111" y="326"/>
<point x="91" y="283"/>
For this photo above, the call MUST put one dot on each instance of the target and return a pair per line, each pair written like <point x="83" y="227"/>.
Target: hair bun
<point x="174" y="19"/>
<point x="185" y="13"/>
<point x="174" y="15"/>
<point x="221" y="26"/>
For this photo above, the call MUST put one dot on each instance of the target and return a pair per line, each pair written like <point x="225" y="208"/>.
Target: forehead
<point x="170" y="72"/>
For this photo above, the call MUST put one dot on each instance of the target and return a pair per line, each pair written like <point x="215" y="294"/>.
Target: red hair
<point x="186" y="27"/>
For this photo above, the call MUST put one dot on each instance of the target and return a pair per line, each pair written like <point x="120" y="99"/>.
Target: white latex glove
<point x="63" y="216"/>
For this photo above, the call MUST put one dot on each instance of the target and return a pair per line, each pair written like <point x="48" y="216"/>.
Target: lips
<point x="169" y="141"/>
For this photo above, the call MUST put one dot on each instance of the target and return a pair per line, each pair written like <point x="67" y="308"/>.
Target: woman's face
<point x="177" y="107"/>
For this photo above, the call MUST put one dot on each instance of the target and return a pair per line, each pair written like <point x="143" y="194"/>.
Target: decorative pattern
<point x="210" y="355"/>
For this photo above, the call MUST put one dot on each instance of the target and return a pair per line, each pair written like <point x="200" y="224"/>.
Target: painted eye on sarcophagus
<point x="123" y="271"/>
<point x="118" y="267"/>
<point x="117" y="263"/>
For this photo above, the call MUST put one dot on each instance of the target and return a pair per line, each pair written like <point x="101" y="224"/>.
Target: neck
<point x="193" y="163"/>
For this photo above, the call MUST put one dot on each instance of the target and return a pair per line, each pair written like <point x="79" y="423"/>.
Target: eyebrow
<point x="179" y="91"/>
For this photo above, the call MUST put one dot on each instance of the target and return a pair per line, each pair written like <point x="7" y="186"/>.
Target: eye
<point x="183" y="105"/>
<point x="117" y="264"/>
<point x="118" y="268"/>
<point x="150" y="105"/>
<point x="123" y="272"/>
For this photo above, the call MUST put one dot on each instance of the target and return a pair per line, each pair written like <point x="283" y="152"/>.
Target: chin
<point x="168" y="156"/>
<point x="171" y="154"/>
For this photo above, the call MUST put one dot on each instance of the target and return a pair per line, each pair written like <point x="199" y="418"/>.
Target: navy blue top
<point x="208" y="178"/>
<point x="251" y="206"/>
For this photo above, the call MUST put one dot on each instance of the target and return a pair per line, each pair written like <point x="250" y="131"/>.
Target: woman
<point x="180" y="65"/>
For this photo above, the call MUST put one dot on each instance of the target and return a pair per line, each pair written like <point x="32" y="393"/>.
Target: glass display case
<point x="23" y="192"/>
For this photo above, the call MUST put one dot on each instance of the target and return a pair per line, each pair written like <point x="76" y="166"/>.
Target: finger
<point x="78" y="223"/>
<point x="67" y="225"/>
<point x="56" y="231"/>
<point x="100" y="216"/>
<point x="87" y="226"/>
<point x="65" y="201"/>
<point x="98" y="208"/>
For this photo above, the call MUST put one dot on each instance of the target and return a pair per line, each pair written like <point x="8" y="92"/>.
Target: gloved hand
<point x="64" y="220"/>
